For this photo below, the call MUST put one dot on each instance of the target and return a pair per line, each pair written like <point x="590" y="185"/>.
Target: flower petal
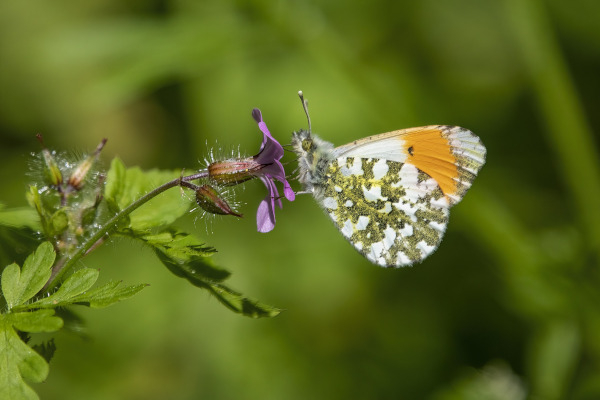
<point x="257" y="115"/>
<point x="270" y="148"/>
<point x="268" y="157"/>
<point x="288" y="192"/>
<point x="265" y="216"/>
<point x="273" y="170"/>
<point x="273" y="192"/>
<point x="276" y="171"/>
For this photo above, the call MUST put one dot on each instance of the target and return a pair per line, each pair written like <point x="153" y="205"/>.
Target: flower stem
<point x="66" y="262"/>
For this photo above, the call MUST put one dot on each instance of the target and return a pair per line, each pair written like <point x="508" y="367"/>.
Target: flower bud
<point x="52" y="173"/>
<point x="78" y="176"/>
<point x="208" y="199"/>
<point x="233" y="171"/>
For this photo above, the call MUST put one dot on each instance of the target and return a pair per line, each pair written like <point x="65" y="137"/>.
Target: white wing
<point x="449" y="154"/>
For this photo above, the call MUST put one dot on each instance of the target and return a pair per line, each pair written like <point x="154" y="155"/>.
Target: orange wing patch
<point x="429" y="150"/>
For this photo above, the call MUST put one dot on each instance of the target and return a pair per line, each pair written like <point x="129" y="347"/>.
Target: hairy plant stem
<point x="66" y="262"/>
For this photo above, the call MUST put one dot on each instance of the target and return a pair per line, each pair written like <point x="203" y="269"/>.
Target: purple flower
<point x="269" y="155"/>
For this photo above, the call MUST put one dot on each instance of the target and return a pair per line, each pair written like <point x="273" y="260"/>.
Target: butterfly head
<point x="303" y="142"/>
<point x="313" y="153"/>
<point x="304" y="147"/>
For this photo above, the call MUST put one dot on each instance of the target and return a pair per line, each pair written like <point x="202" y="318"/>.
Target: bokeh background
<point x="509" y="305"/>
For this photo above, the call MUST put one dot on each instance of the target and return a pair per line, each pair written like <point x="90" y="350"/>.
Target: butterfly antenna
<point x="305" y="106"/>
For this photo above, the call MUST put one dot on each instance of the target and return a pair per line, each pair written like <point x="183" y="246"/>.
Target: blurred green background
<point x="509" y="305"/>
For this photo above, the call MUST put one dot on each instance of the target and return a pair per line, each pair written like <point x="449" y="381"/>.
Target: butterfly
<point x="389" y="194"/>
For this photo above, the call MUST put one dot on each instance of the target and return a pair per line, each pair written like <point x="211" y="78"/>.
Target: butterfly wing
<point x="449" y="154"/>
<point x="390" y="194"/>
<point x="391" y="212"/>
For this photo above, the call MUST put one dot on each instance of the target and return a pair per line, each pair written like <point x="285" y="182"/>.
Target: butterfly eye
<point x="307" y="144"/>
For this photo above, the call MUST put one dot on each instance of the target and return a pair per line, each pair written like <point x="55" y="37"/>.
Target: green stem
<point x="65" y="263"/>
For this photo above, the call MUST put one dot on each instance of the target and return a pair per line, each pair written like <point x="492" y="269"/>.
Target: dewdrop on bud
<point x="208" y="199"/>
<point x="78" y="176"/>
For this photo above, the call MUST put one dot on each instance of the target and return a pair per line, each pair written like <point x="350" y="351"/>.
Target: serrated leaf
<point x="242" y="304"/>
<point x="186" y="257"/>
<point x="10" y="281"/>
<point x="76" y="290"/>
<point x="108" y="294"/>
<point x="19" y="362"/>
<point x="19" y="285"/>
<point x="183" y="254"/>
<point x="231" y="299"/>
<point x="178" y="244"/>
<point x="125" y="185"/>
<point x="35" y="321"/>
<point x="194" y="266"/>
<point x="73" y="286"/>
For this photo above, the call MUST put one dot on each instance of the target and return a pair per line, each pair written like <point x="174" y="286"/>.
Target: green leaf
<point x="240" y="303"/>
<point x="183" y="254"/>
<point x="19" y="285"/>
<point x="107" y="295"/>
<point x="186" y="257"/>
<point x="76" y="290"/>
<point x="73" y="286"/>
<point x="35" y="321"/>
<point x="19" y="362"/>
<point x="125" y="185"/>
<point x="194" y="271"/>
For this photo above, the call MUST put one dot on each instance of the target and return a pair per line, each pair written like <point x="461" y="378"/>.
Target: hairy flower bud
<point x="78" y="176"/>
<point x="52" y="174"/>
<point x="210" y="201"/>
<point x="233" y="171"/>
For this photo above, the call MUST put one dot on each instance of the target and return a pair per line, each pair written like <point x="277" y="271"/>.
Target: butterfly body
<point x="390" y="194"/>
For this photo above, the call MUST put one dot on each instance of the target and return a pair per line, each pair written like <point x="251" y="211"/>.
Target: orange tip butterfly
<point x="390" y="194"/>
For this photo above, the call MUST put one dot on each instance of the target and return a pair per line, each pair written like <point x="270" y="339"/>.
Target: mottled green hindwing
<point x="391" y="212"/>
